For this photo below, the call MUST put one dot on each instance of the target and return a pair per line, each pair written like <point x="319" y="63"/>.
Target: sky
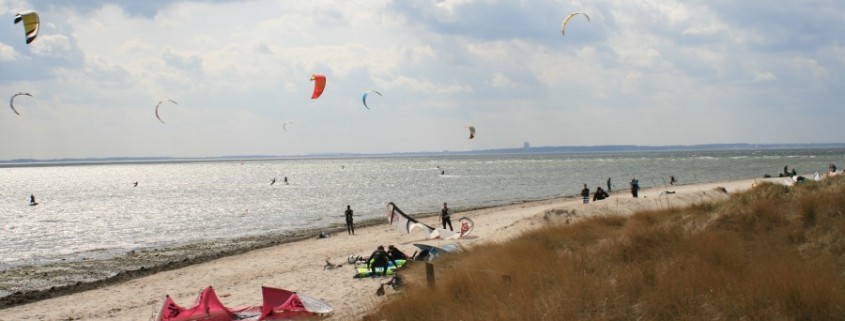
<point x="639" y="72"/>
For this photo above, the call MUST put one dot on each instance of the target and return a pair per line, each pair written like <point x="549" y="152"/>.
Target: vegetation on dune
<point x="772" y="253"/>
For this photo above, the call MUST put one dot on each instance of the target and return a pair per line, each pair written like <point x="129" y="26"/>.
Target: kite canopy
<point x="566" y="21"/>
<point x="159" y="104"/>
<point x="407" y="224"/>
<point x="285" y="125"/>
<point x="12" y="101"/>
<point x="279" y="304"/>
<point x="471" y="132"/>
<point x="364" y="98"/>
<point x="30" y="24"/>
<point x="319" y="85"/>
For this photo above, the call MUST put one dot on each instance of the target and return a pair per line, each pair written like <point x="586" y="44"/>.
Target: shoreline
<point x="36" y="282"/>
<point x="298" y="265"/>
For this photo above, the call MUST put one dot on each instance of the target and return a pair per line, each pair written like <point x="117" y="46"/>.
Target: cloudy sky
<point x="642" y="72"/>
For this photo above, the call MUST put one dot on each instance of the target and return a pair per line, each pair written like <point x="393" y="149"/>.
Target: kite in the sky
<point x="30" y="24"/>
<point x="364" y="98"/>
<point x="159" y="105"/>
<point x="285" y="125"/>
<point x="12" y="101"/>
<point x="566" y="21"/>
<point x="471" y="132"/>
<point x="319" y="85"/>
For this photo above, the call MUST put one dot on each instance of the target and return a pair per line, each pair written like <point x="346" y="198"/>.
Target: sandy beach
<point x="298" y="266"/>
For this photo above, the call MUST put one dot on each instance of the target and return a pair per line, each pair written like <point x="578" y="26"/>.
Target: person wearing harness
<point x="445" y="216"/>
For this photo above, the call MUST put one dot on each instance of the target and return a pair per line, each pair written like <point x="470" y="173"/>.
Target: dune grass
<point x="772" y="253"/>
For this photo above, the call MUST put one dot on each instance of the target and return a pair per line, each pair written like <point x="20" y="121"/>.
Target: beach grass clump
<point x="771" y="253"/>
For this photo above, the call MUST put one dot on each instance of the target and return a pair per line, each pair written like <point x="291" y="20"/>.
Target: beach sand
<point x="298" y="266"/>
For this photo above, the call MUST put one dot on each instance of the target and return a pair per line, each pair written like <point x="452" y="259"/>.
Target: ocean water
<point x="94" y="211"/>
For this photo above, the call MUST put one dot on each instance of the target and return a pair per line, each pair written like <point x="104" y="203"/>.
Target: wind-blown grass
<point x="772" y="253"/>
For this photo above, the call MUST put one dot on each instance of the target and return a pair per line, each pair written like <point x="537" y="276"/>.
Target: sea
<point x="93" y="222"/>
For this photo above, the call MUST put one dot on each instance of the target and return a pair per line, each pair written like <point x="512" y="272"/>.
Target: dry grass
<point x="772" y="253"/>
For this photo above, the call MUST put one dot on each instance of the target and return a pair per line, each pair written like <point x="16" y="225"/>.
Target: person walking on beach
<point x="350" y="228"/>
<point x="585" y="194"/>
<point x="446" y="216"/>
<point x="379" y="258"/>
<point x="635" y="187"/>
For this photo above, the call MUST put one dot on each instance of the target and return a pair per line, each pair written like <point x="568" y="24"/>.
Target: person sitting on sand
<point x="395" y="254"/>
<point x="600" y="194"/>
<point x="379" y="258"/>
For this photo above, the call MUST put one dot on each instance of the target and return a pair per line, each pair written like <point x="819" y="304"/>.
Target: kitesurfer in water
<point x="32" y="200"/>
<point x="446" y="216"/>
<point x="350" y="227"/>
<point x="135" y="184"/>
<point x="672" y="180"/>
<point x="286" y="180"/>
<point x="273" y="181"/>
<point x="379" y="258"/>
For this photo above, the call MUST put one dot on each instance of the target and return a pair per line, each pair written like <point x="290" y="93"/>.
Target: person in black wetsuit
<point x="585" y="194"/>
<point x="379" y="258"/>
<point x="600" y="194"/>
<point x="32" y="199"/>
<point x="446" y="216"/>
<point x="635" y="188"/>
<point x="350" y="227"/>
<point x="395" y="254"/>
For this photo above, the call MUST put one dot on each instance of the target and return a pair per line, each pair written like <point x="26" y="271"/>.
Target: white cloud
<point x="7" y="53"/>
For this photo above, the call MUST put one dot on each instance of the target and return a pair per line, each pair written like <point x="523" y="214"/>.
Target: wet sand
<point x="295" y="262"/>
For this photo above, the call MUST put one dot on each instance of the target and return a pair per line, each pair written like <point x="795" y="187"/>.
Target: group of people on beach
<point x="601" y="194"/>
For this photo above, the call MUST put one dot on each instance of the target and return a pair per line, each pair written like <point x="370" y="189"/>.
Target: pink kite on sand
<point x="278" y="304"/>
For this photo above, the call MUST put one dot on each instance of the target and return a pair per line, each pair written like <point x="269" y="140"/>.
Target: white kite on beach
<point x="407" y="224"/>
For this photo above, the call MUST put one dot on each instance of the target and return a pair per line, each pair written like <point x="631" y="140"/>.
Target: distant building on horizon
<point x="526" y="145"/>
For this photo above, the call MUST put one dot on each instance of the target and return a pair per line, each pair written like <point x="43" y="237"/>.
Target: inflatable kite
<point x="364" y="98"/>
<point x="471" y="132"/>
<point x="285" y="125"/>
<point x="407" y="224"/>
<point x="30" y="24"/>
<point x="566" y="21"/>
<point x="12" y="101"/>
<point x="159" y="104"/>
<point x="319" y="85"/>
<point x="278" y="304"/>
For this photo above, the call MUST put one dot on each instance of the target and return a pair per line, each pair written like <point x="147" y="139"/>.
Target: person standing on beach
<point x="350" y="228"/>
<point x="635" y="188"/>
<point x="609" y="189"/>
<point x="446" y="216"/>
<point x="585" y="194"/>
<point x="672" y="180"/>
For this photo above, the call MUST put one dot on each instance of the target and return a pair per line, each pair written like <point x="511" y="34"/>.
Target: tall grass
<point x="772" y="253"/>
